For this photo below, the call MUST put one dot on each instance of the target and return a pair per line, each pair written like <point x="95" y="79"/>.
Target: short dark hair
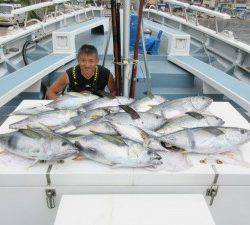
<point x="87" y="49"/>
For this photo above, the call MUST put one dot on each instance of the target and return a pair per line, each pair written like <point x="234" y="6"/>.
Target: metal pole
<point x="107" y="43"/>
<point x="136" y="48"/>
<point x="126" y="38"/>
<point x="149" y="89"/>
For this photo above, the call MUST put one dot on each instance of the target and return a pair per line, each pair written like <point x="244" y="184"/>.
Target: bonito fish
<point x="106" y="102"/>
<point x="146" y="120"/>
<point x="51" y="119"/>
<point x="207" y="140"/>
<point x="190" y="120"/>
<point x="145" y="104"/>
<point x="71" y="102"/>
<point x="146" y="137"/>
<point x="37" y="145"/>
<point x="179" y="107"/>
<point x="80" y="120"/>
<point x="32" y="110"/>
<point x="114" y="151"/>
<point x="97" y="125"/>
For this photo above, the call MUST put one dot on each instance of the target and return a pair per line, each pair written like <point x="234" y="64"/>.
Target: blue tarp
<point x="152" y="44"/>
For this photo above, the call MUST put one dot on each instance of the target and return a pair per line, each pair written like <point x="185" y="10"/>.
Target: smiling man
<point x="87" y="76"/>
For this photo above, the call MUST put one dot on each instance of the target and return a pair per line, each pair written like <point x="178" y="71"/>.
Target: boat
<point x="190" y="60"/>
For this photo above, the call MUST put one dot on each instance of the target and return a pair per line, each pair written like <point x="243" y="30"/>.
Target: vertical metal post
<point x="136" y="51"/>
<point x="216" y="26"/>
<point x="107" y="43"/>
<point x="126" y="38"/>
<point x="149" y="89"/>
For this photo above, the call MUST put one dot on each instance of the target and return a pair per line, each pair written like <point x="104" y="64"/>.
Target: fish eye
<point x="242" y="131"/>
<point x="64" y="143"/>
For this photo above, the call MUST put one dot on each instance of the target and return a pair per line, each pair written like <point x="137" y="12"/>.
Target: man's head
<point x="88" y="58"/>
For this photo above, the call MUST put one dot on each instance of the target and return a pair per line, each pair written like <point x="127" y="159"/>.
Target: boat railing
<point x="196" y="9"/>
<point x="45" y="6"/>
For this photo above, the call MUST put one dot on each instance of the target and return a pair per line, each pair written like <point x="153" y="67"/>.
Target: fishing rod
<point x="138" y="34"/>
<point x="115" y="43"/>
<point x="119" y="47"/>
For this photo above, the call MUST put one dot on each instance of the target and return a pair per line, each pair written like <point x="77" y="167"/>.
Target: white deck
<point x="133" y="209"/>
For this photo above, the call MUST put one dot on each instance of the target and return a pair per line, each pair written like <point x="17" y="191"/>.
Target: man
<point x="88" y="76"/>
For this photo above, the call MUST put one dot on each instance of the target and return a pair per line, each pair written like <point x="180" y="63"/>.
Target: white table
<point x="20" y="184"/>
<point x="127" y="209"/>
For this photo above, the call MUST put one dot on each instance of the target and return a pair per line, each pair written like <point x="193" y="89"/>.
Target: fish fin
<point x="113" y="126"/>
<point x="94" y="117"/>
<point x="116" y="165"/>
<point x="33" y="163"/>
<point x="46" y="128"/>
<point x="111" y="138"/>
<point x="78" y="158"/>
<point x="195" y="115"/>
<point x="214" y="130"/>
<point x="32" y="133"/>
<point x="133" y="114"/>
<point x="103" y="94"/>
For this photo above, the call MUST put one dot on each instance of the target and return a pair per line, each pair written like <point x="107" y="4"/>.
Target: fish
<point x="37" y="145"/>
<point x="146" y="120"/>
<point x="146" y="103"/>
<point x="71" y="102"/>
<point x="190" y="120"/>
<point x="32" y="110"/>
<point x="178" y="107"/>
<point x="145" y="137"/>
<point x="97" y="125"/>
<point x="207" y="140"/>
<point x="80" y="120"/>
<point x="51" y="119"/>
<point x="106" y="102"/>
<point x="112" y="150"/>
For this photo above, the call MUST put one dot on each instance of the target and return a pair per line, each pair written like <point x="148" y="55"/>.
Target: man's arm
<point x="111" y="85"/>
<point x="57" y="86"/>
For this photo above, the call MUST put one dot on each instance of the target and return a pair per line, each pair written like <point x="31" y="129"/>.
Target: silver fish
<point x="179" y="107"/>
<point x="51" y="119"/>
<point x="207" y="140"/>
<point x="82" y="119"/>
<point x="71" y="102"/>
<point x="37" y="145"/>
<point x="97" y="125"/>
<point x="147" y="120"/>
<point x="146" y="137"/>
<point x="145" y="104"/>
<point x="190" y="120"/>
<point x="32" y="110"/>
<point x="114" y="151"/>
<point x="107" y="102"/>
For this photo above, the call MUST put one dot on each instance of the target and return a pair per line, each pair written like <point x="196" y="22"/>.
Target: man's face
<point x="88" y="62"/>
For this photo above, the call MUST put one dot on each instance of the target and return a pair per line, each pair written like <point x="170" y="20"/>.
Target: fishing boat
<point x="188" y="60"/>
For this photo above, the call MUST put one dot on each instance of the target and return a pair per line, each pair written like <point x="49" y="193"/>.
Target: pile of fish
<point x="121" y="132"/>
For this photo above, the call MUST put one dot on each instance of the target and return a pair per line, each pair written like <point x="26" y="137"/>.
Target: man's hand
<point x="111" y="85"/>
<point x="57" y="86"/>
